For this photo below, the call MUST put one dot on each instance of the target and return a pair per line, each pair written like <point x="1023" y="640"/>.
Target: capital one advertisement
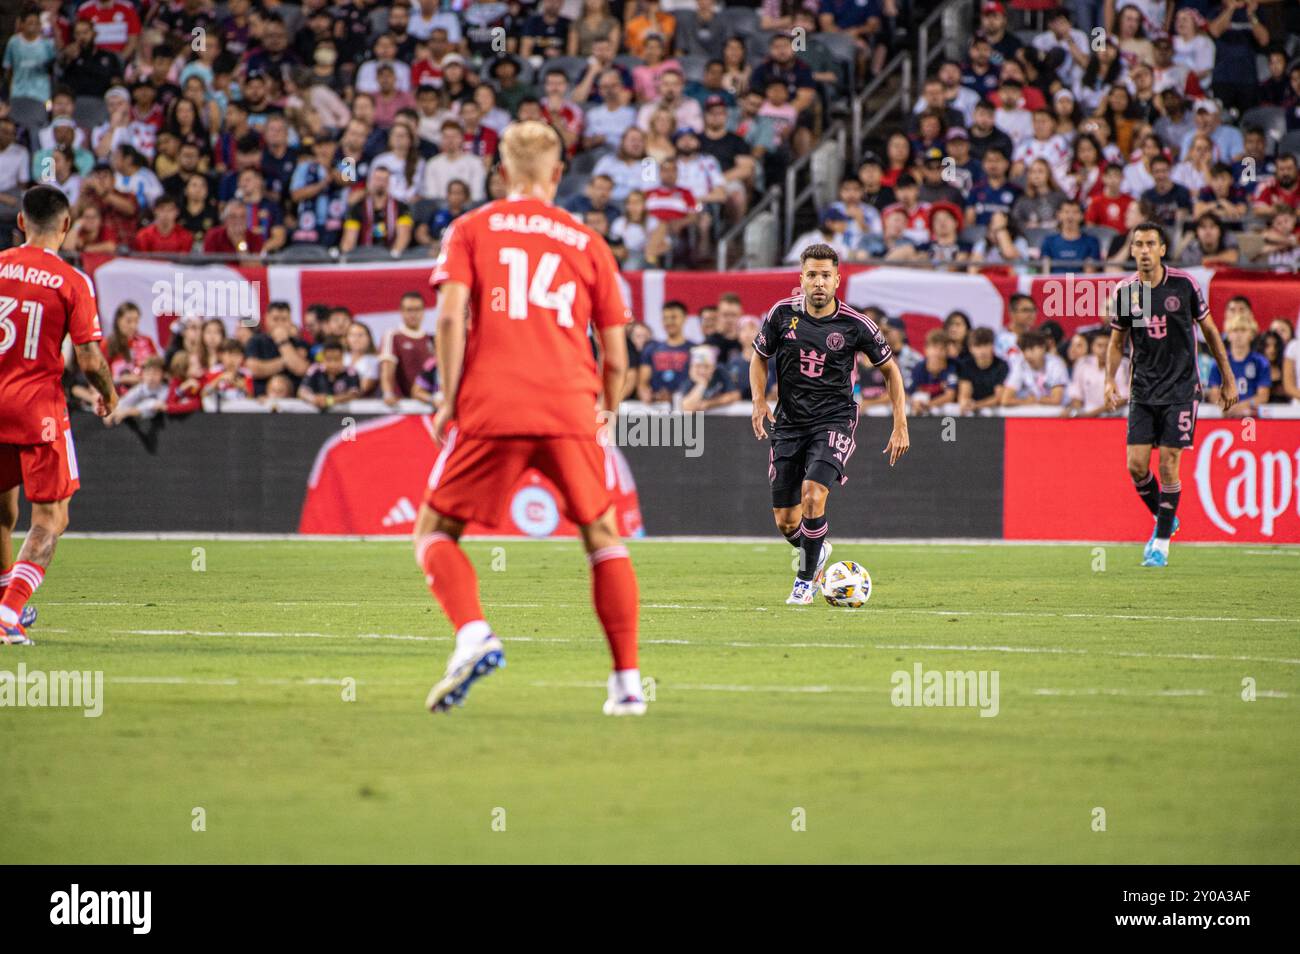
<point x="370" y="478"/>
<point x="1068" y="480"/>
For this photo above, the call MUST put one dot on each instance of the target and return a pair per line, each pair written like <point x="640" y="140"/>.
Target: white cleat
<point x="624" y="706"/>
<point x="804" y="592"/>
<point x="462" y="670"/>
<point x="822" y="559"/>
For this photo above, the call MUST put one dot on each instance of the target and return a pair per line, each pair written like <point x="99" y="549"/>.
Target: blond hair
<point x="529" y="151"/>
<point x="1240" y="320"/>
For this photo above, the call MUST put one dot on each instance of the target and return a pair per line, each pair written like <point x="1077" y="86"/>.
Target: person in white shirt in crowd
<point x="428" y="15"/>
<point x="1227" y="140"/>
<point x="132" y="175"/>
<point x="453" y="162"/>
<point x="1193" y="173"/>
<point x="494" y="117"/>
<point x="15" y="173"/>
<point x="403" y="162"/>
<point x="1021" y="315"/>
<point x="1086" y="394"/>
<point x="146" y="399"/>
<point x="612" y="116"/>
<point x="627" y="168"/>
<point x="698" y="171"/>
<point x="385" y="54"/>
<point x="671" y="87"/>
<point x="1071" y="43"/>
<point x="1039" y="377"/>
<point x="1291" y="370"/>
<point x="1137" y="174"/>
<point x="830" y="231"/>
<point x="1011" y="116"/>
<point x="1192" y="48"/>
<point x="1047" y="145"/>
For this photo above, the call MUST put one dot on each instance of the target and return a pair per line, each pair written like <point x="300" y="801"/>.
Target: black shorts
<point x="820" y="456"/>
<point x="1162" y="425"/>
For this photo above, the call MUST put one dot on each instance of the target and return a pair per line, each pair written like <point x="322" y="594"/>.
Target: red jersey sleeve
<point x="608" y="308"/>
<point x="83" y="311"/>
<point x="455" y="261"/>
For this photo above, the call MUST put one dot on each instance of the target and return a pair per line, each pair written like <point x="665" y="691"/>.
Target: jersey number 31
<point x="9" y="331"/>
<point x="520" y="292"/>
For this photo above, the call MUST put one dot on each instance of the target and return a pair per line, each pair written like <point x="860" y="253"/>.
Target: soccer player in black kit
<point x="1160" y="307"/>
<point x="815" y="339"/>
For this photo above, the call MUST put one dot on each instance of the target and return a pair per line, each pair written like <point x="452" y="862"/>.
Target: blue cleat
<point x="27" y="617"/>
<point x="462" y="671"/>
<point x="1146" y="550"/>
<point x="14" y="636"/>
<point x="1155" y="558"/>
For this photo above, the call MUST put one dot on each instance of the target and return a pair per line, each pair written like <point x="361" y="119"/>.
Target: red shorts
<point x="474" y="476"/>
<point x="48" y="472"/>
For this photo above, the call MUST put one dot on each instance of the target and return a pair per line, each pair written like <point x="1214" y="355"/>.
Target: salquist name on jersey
<point x="33" y="276"/>
<point x="538" y="224"/>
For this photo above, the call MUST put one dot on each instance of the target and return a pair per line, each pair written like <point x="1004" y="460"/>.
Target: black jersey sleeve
<point x="871" y="342"/>
<point x="770" y="333"/>
<point x="1200" y="309"/>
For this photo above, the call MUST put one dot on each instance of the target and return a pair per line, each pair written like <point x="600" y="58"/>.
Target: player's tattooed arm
<point x="758" y="387"/>
<point x="92" y="364"/>
<point x="1227" y="393"/>
<point x="899" y="441"/>
<point x="1114" y="355"/>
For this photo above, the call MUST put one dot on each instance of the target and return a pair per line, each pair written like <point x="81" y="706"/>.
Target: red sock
<point x="450" y="576"/>
<point x="614" y="593"/>
<point x="24" y="578"/>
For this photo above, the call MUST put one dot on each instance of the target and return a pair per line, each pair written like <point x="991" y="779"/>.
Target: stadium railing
<point x="769" y="205"/>
<point x="953" y="25"/>
<point x="861" y="127"/>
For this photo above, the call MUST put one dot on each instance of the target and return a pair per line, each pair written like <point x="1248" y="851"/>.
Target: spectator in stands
<point x="229" y="380"/>
<point x="360" y="356"/>
<point x="406" y="170"/>
<point x="210" y="338"/>
<point x="733" y="154"/>
<point x="737" y="70"/>
<point x="378" y="219"/>
<point x="1222" y="197"/>
<point x="233" y="236"/>
<point x="458" y="203"/>
<point x="1250" y="368"/>
<point x="678" y="225"/>
<point x="711" y="385"/>
<point x="127" y="349"/>
<point x="612" y="117"/>
<point x="646" y="19"/>
<point x="946" y="245"/>
<point x="832" y="226"/>
<point x="659" y="136"/>
<point x="985" y="135"/>
<point x="165" y="235"/>
<point x="265" y="219"/>
<point x="1272" y="346"/>
<point x="1001" y="244"/>
<point x="701" y="175"/>
<point x="1281" y="245"/>
<point x="1037" y="206"/>
<point x="329" y="383"/>
<point x="934" y="380"/>
<point x="90" y="232"/>
<point x="1109" y="206"/>
<point x="1166" y="197"/>
<point x="1284" y="189"/>
<point x="629" y="230"/>
<point x="1086" y="394"/>
<point x="627" y="168"/>
<point x="1210" y="244"/>
<point x="198" y="213"/>
<point x="276" y="350"/>
<point x="874" y="192"/>
<point x="405" y="350"/>
<point x="1038" y="377"/>
<point x="665" y="364"/>
<point x="1069" y="248"/>
<point x="1227" y="142"/>
<point x="64" y="174"/>
<point x="980" y="374"/>
<point x="145" y="400"/>
<point x="957" y="328"/>
<point x="907" y="357"/>
<point x="1022" y="313"/>
<point x="801" y="90"/>
<point x="934" y="100"/>
<point x="595" y="23"/>
<point x="1238" y="34"/>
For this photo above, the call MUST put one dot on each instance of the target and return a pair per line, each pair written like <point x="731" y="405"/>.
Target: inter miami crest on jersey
<point x="1161" y="320"/>
<point x="815" y="359"/>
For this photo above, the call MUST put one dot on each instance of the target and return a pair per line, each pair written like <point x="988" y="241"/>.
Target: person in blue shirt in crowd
<point x="1249" y="367"/>
<point x="665" y="365"/>
<point x="1069" y="247"/>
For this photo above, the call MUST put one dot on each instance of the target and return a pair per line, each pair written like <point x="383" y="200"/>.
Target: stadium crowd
<point x="364" y="127"/>
<point x="1050" y="145"/>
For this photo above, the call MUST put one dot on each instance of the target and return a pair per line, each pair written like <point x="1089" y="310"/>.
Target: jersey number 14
<point x="34" y="311"/>
<point x="520" y="292"/>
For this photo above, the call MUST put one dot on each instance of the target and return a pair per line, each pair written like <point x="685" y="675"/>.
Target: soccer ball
<point x="846" y="584"/>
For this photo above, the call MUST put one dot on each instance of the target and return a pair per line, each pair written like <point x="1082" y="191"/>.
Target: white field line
<point x="703" y="607"/>
<point x="726" y="644"/>
<point x="572" y="541"/>
<point x="673" y="687"/>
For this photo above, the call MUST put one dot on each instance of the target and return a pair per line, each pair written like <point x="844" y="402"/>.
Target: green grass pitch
<point x="1120" y="689"/>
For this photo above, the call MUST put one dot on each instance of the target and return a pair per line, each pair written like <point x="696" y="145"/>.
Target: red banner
<point x="1068" y="480"/>
<point x="370" y="479"/>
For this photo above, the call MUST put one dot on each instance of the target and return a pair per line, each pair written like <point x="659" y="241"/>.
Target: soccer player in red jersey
<point x="530" y="280"/>
<point x="42" y="300"/>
